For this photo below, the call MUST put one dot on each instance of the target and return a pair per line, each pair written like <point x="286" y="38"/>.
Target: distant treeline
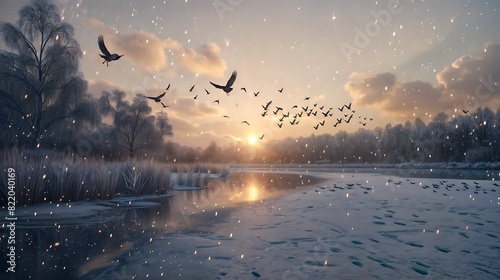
<point x="472" y="137"/>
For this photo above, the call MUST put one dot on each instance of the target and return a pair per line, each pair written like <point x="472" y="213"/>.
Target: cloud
<point x="190" y="108"/>
<point x="150" y="52"/>
<point x="96" y="87"/>
<point x="206" y="61"/>
<point x="468" y="82"/>
<point x="222" y="136"/>
<point x="474" y="78"/>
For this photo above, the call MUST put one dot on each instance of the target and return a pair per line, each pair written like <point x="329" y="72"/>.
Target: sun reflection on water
<point x="253" y="193"/>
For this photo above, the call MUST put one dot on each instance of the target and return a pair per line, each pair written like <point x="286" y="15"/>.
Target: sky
<point x="391" y="61"/>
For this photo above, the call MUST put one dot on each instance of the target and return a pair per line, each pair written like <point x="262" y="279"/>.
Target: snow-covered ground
<point x="344" y="225"/>
<point x="352" y="226"/>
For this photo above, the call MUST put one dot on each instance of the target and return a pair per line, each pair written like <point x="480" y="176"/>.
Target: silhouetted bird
<point x="261" y="137"/>
<point x="168" y="87"/>
<point x="316" y="126"/>
<point x="226" y="116"/>
<point x="164" y="106"/>
<point x="307" y="98"/>
<point x="106" y="54"/>
<point x="256" y="93"/>
<point x="348" y="106"/>
<point x="322" y="123"/>
<point x="280" y="125"/>
<point x="191" y="89"/>
<point x="196" y="96"/>
<point x="364" y="124"/>
<point x="349" y="119"/>
<point x="267" y="105"/>
<point x="216" y="101"/>
<point x="341" y="108"/>
<point x="227" y="88"/>
<point x="465" y="112"/>
<point x="157" y="98"/>
<point x="207" y="91"/>
<point x="264" y="113"/>
<point x="245" y="122"/>
<point x="244" y="89"/>
<point x="280" y="90"/>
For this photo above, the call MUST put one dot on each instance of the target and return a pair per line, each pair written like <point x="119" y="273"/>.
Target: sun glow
<point x="253" y="193"/>
<point x="252" y="140"/>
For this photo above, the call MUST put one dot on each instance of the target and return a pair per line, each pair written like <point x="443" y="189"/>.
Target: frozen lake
<point x="277" y="223"/>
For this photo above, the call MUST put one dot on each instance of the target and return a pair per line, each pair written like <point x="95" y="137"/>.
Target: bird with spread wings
<point x="108" y="57"/>
<point x="228" y="87"/>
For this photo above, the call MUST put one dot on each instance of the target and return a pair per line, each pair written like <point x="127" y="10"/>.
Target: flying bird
<point x="227" y="88"/>
<point x="168" y="87"/>
<point x="207" y="91"/>
<point x="256" y="93"/>
<point x="465" y="111"/>
<point x="316" y="126"/>
<point x="196" y="96"/>
<point x="261" y="137"/>
<point x="157" y="98"/>
<point x="164" y="106"/>
<point x="307" y="98"/>
<point x="244" y="89"/>
<point x="191" y="89"/>
<point x="216" y="101"/>
<point x="280" y="90"/>
<point x="267" y="105"/>
<point x="245" y="122"/>
<point x="226" y="116"/>
<point x="280" y="125"/>
<point x="105" y="53"/>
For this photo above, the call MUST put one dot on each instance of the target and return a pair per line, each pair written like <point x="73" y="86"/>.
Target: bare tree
<point x="132" y="123"/>
<point x="40" y="85"/>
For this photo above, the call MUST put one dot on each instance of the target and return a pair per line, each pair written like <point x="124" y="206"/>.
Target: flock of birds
<point x="291" y="116"/>
<point x="444" y="186"/>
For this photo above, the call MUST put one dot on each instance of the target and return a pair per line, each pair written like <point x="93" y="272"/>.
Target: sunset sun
<point x="252" y="140"/>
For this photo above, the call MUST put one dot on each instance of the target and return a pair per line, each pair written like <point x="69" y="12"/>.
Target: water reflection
<point x="96" y="248"/>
